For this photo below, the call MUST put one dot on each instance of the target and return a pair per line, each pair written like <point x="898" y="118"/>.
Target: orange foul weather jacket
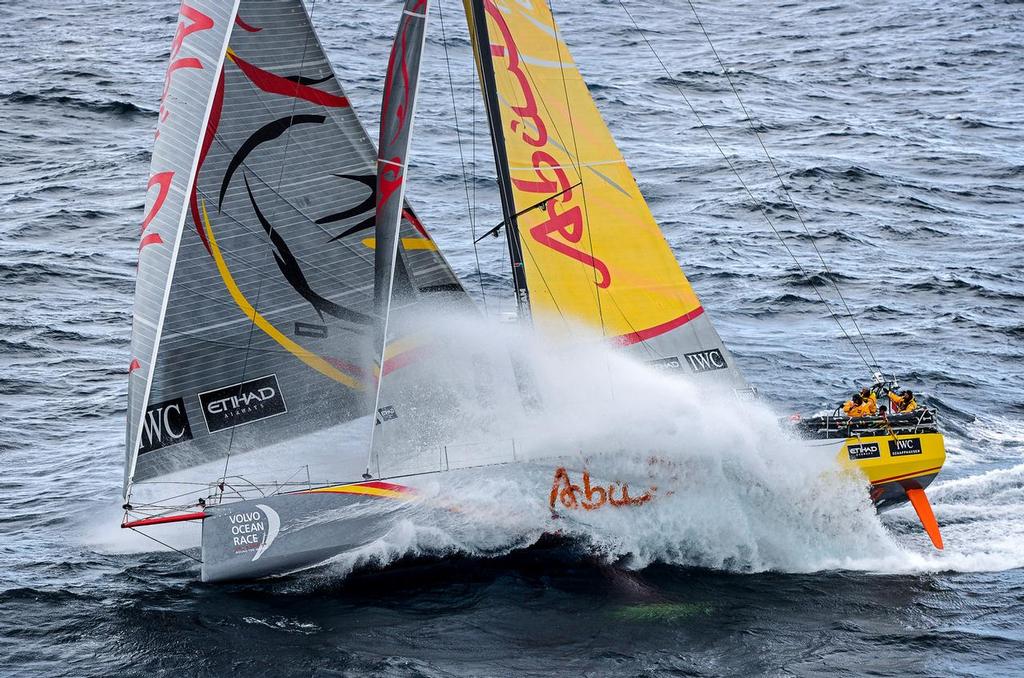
<point x="853" y="410"/>
<point x="871" y="403"/>
<point x="901" y="404"/>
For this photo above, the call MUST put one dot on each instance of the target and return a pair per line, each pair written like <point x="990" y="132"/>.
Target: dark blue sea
<point x="896" y="127"/>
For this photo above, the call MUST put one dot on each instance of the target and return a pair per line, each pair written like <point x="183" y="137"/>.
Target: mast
<point x="485" y="66"/>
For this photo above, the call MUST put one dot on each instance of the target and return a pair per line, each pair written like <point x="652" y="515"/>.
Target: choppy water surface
<point x="896" y="126"/>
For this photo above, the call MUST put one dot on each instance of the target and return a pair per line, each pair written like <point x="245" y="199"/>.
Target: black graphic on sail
<point x="265" y="265"/>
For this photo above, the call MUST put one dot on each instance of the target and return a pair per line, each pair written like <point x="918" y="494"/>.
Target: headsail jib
<point x="594" y="256"/>
<point x="190" y="84"/>
<point x="398" y="114"/>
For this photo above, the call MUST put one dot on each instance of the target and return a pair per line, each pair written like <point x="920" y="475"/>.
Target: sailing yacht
<point x="280" y="358"/>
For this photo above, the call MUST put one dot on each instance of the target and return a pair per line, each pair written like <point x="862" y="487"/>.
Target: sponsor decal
<point x="165" y="424"/>
<point x="904" y="447"/>
<point x="565" y="227"/>
<point x="310" y="330"/>
<point x="706" y="361"/>
<point x="666" y="364"/>
<point x="254" y="531"/>
<point x="592" y="497"/>
<point x="864" y="451"/>
<point x="242" y="403"/>
<point x="386" y="414"/>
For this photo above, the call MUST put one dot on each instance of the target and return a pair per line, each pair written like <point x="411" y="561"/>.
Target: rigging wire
<point x="785" y="190"/>
<point x="165" y="544"/>
<point x="462" y="157"/>
<point x="739" y="178"/>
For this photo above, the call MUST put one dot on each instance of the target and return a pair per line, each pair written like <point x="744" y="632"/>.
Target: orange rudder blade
<point x="924" y="513"/>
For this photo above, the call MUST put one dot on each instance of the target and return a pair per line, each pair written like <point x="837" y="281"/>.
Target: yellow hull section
<point x="895" y="458"/>
<point x="895" y="465"/>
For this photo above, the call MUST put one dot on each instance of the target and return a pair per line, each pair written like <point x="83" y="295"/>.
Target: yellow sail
<point x="594" y="254"/>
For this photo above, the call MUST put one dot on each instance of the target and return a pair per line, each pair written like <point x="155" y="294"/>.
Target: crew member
<point x="870" y="399"/>
<point x="902" y="402"/>
<point x="855" y="407"/>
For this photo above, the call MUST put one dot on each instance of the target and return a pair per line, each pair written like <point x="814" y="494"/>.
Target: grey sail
<point x="398" y="111"/>
<point x="397" y="115"/>
<point x="269" y="323"/>
<point x="430" y="384"/>
<point x="408" y="350"/>
<point x="197" y="53"/>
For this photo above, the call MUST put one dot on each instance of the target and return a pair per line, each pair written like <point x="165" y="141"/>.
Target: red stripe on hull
<point x="160" y="520"/>
<point x="907" y="476"/>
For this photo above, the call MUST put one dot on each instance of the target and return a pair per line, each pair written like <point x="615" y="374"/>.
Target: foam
<point x="748" y="497"/>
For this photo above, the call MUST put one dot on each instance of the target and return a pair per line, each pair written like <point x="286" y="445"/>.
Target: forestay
<point x="254" y="312"/>
<point x="590" y="254"/>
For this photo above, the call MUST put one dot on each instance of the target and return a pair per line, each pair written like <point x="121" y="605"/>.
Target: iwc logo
<point x="165" y="424"/>
<point x="706" y="361"/>
<point x="902" y="447"/>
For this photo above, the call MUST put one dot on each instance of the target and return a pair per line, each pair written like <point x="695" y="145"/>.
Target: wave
<point x="116" y="108"/>
<point x="853" y="173"/>
<point x="955" y="284"/>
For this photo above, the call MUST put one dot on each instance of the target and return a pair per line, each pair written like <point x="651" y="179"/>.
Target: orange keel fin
<point x="924" y="513"/>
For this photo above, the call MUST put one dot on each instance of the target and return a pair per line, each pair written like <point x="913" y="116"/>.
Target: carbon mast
<point x="485" y="68"/>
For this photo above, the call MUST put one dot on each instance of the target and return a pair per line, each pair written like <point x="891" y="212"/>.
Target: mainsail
<point x="589" y="251"/>
<point x="254" y="312"/>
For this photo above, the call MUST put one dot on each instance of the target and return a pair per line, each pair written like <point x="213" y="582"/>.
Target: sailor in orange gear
<point x="870" y="399"/>
<point x="903" y="402"/>
<point x="855" y="407"/>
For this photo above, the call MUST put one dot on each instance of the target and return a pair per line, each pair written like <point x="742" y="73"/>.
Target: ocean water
<point x="897" y="129"/>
